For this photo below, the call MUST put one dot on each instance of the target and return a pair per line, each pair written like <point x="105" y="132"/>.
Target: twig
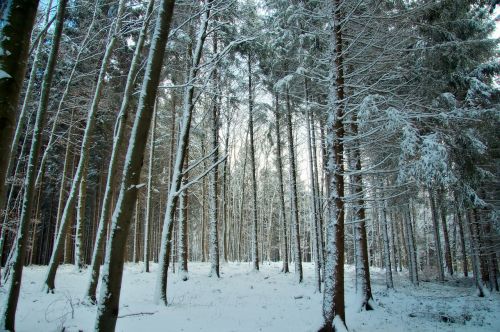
<point x="138" y="314"/>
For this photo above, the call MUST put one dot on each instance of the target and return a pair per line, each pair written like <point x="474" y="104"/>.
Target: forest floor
<point x="243" y="300"/>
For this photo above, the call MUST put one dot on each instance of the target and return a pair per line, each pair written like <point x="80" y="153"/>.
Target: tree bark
<point x="294" y="208"/>
<point x="333" y="293"/>
<point x="255" y="248"/>
<point x="279" y="166"/>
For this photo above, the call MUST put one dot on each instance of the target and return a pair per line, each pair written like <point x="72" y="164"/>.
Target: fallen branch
<point x="138" y="314"/>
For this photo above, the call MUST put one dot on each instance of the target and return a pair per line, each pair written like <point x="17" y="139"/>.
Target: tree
<point x="8" y="314"/>
<point x="17" y="20"/>
<point x="109" y="298"/>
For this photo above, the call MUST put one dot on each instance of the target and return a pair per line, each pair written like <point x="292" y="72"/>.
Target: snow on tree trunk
<point x="333" y="293"/>
<point x="213" y="175"/>
<point x="315" y="213"/>
<point x="16" y="263"/>
<point x="182" y="145"/>
<point x="183" y="220"/>
<point x="109" y="296"/>
<point x="15" y="35"/>
<point x="64" y="223"/>
<point x="255" y="243"/>
<point x="80" y="219"/>
<point x="279" y="166"/>
<point x="294" y="213"/>
<point x="149" y="209"/>
<point x="118" y="141"/>
<point x="362" y="265"/>
<point x="387" y="258"/>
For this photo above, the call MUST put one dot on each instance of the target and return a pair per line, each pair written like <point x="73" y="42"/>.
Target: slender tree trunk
<point x="363" y="268"/>
<point x="462" y="243"/>
<point x="149" y="209"/>
<point x="447" y="248"/>
<point x="437" y="240"/>
<point x="294" y="213"/>
<point x="8" y="311"/>
<point x="315" y="213"/>
<point x="213" y="175"/>
<point x="279" y="166"/>
<point x="80" y="220"/>
<point x="387" y="258"/>
<point x="109" y="296"/>
<point x="255" y="248"/>
<point x="224" y="188"/>
<point x="333" y="294"/>
<point x="183" y="223"/>
<point x="412" y="249"/>
<point x="476" y="270"/>
<point x="183" y="142"/>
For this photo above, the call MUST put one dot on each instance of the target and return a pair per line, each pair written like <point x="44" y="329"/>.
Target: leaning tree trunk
<point x="109" y="297"/>
<point x="255" y="249"/>
<point x="333" y="293"/>
<point x="16" y="263"/>
<point x="84" y="154"/>
<point x="294" y="213"/>
<point x="118" y="141"/>
<point x="182" y="145"/>
<point x="279" y="166"/>
<point x="15" y="42"/>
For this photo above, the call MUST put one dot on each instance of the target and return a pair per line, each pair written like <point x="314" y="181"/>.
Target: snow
<point x="243" y="300"/>
<point x="4" y="74"/>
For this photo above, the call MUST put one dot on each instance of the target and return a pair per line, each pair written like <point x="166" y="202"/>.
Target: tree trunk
<point x="387" y="258"/>
<point x="279" y="166"/>
<point x="149" y="209"/>
<point x="213" y="175"/>
<point x="437" y="240"/>
<point x="333" y="294"/>
<point x="19" y="18"/>
<point x="294" y="213"/>
<point x="255" y="248"/>
<point x="8" y="313"/>
<point x="183" y="222"/>
<point x="447" y="248"/>
<point x="183" y="142"/>
<point x="109" y="297"/>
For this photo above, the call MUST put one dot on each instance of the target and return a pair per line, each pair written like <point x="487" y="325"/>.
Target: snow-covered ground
<point x="243" y="300"/>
